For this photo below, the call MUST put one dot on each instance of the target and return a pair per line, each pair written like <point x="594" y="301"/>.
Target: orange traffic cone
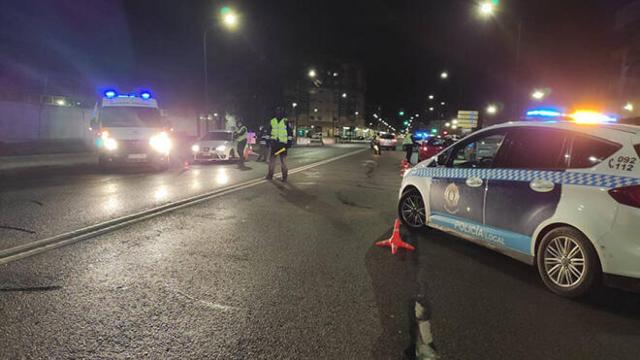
<point x="404" y="167"/>
<point x="395" y="242"/>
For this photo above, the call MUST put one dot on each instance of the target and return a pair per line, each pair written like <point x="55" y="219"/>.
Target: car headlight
<point x="161" y="143"/>
<point x="110" y="144"/>
<point x="221" y="148"/>
<point x="195" y="148"/>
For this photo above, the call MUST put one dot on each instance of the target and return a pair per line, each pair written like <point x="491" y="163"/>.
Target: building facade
<point x="328" y="99"/>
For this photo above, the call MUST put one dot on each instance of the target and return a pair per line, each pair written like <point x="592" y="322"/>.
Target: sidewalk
<point x="47" y="160"/>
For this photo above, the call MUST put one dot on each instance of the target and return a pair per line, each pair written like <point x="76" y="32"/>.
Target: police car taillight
<point x="628" y="195"/>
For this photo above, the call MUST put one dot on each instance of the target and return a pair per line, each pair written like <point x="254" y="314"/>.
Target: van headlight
<point x="161" y="143"/>
<point x="110" y="144"/>
<point x="195" y="148"/>
<point x="221" y="148"/>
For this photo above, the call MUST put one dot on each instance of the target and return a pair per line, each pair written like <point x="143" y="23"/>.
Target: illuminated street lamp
<point x="431" y="109"/>
<point x="431" y="97"/>
<point x="628" y="107"/>
<point x="312" y="73"/>
<point x="344" y="95"/>
<point x="487" y="8"/>
<point x="444" y="75"/>
<point x="492" y="109"/>
<point x="229" y="18"/>
<point x="538" y="94"/>
<point x="294" y="105"/>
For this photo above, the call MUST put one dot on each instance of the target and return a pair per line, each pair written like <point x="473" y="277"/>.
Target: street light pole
<point x="206" y="70"/>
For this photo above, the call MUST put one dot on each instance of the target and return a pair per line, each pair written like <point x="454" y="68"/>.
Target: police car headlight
<point x="221" y="148"/>
<point x="110" y="144"/>
<point x="195" y="148"/>
<point x="161" y="143"/>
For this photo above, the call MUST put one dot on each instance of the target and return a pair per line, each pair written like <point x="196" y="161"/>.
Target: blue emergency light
<point x="111" y="94"/>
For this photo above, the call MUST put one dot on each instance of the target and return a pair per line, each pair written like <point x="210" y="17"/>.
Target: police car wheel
<point x="411" y="209"/>
<point x="567" y="263"/>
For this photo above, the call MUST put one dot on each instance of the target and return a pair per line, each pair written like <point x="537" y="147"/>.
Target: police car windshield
<point x="130" y="117"/>
<point x="219" y="135"/>
<point x="387" y="136"/>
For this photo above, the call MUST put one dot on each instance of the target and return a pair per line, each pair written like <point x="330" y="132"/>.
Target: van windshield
<point x="123" y="116"/>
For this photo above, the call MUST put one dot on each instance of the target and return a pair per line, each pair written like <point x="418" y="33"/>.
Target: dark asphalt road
<point x="57" y="200"/>
<point x="290" y="272"/>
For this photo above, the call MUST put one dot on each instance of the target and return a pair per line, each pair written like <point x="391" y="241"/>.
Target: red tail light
<point x="629" y="195"/>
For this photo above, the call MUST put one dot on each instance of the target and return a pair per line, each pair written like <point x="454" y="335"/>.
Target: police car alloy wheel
<point x="411" y="209"/>
<point x="567" y="262"/>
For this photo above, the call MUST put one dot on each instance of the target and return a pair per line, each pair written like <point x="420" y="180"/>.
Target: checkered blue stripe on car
<point x="557" y="177"/>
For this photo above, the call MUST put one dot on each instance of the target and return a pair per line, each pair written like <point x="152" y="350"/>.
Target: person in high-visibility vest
<point x="408" y="143"/>
<point x="240" y="137"/>
<point x="280" y="135"/>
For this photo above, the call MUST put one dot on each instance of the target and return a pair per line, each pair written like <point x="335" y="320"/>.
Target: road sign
<point x="467" y="119"/>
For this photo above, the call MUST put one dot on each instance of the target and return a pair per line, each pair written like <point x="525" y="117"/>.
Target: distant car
<point x="564" y="197"/>
<point x="215" y="145"/>
<point x="432" y="147"/>
<point x="387" y="141"/>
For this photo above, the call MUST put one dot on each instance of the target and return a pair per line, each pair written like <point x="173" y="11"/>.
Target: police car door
<point x="520" y="193"/>
<point x="456" y="196"/>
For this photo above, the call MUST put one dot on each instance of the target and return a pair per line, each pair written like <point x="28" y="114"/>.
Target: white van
<point x="129" y="128"/>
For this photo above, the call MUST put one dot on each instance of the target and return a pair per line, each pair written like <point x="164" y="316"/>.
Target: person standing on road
<point x="263" y="151"/>
<point x="408" y="143"/>
<point x="375" y="144"/>
<point x="280" y="137"/>
<point x="240" y="137"/>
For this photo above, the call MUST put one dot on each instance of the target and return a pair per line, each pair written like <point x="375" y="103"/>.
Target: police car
<point x="562" y="196"/>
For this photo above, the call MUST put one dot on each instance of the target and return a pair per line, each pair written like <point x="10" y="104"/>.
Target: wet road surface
<point x="289" y="271"/>
<point x="39" y="205"/>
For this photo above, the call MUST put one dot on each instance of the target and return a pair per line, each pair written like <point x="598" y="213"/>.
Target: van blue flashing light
<point x="112" y="94"/>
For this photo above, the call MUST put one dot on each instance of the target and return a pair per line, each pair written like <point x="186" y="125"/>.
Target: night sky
<point x="403" y="45"/>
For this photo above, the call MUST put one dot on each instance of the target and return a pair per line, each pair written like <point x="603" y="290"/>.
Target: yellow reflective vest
<point x="279" y="130"/>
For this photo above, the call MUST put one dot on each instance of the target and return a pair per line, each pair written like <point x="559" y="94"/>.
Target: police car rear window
<point x="588" y="151"/>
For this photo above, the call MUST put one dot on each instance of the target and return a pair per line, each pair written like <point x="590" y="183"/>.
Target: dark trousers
<point x="263" y="152"/>
<point x="240" y="150"/>
<point x="283" y="165"/>
<point x="409" y="150"/>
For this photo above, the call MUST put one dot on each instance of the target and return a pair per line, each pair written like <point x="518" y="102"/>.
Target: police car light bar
<point x="544" y="113"/>
<point x="579" y="116"/>
<point x="110" y="94"/>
